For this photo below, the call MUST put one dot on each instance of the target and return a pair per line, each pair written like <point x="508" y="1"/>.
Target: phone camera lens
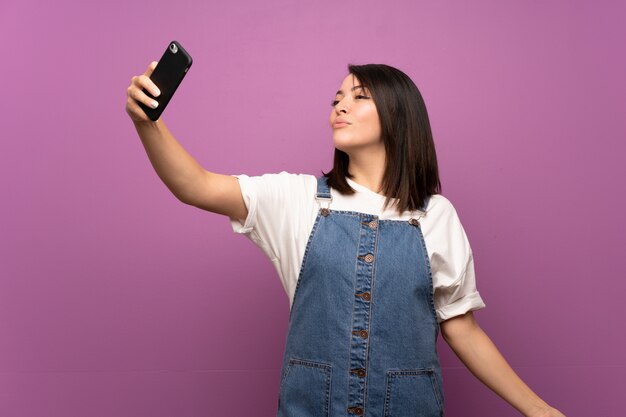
<point x="173" y="48"/>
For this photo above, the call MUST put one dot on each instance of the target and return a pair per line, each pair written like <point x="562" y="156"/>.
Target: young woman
<point x="374" y="259"/>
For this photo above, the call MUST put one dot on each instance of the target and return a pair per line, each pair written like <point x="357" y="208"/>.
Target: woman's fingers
<point x="151" y="68"/>
<point x="147" y="82"/>
<point x="144" y="81"/>
<point x="136" y="93"/>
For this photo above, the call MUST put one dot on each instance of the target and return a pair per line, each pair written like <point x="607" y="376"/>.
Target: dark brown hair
<point x="411" y="172"/>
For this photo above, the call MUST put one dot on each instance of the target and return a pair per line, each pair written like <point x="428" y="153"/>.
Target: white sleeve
<point x="279" y="216"/>
<point x="451" y="261"/>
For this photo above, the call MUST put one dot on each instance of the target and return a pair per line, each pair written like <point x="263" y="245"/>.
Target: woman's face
<point x="354" y="118"/>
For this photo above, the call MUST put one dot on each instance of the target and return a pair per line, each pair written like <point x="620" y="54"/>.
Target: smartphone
<point x="168" y="74"/>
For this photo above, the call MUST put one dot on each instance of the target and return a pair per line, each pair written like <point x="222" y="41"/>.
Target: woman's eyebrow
<point x="356" y="87"/>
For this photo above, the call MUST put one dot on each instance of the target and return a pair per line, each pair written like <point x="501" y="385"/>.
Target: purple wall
<point x="117" y="300"/>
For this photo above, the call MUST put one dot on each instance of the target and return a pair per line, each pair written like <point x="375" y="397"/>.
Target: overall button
<point x="372" y="224"/>
<point x="369" y="258"/>
<point x="414" y="222"/>
<point x="359" y="372"/>
<point x="366" y="296"/>
<point x="363" y="333"/>
<point x="355" y="410"/>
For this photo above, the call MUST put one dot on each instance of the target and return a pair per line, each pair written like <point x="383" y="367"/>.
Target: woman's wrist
<point x="145" y="123"/>
<point x="545" y="411"/>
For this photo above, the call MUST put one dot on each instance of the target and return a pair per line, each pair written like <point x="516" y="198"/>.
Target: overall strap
<point x="323" y="190"/>
<point x="419" y="213"/>
<point x="323" y="196"/>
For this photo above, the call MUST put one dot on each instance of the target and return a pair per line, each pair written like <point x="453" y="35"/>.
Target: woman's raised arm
<point x="180" y="172"/>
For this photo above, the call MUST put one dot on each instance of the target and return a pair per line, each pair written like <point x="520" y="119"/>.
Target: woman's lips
<point x="340" y="123"/>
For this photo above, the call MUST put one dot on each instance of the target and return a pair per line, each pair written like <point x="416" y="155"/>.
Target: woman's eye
<point x="357" y="97"/>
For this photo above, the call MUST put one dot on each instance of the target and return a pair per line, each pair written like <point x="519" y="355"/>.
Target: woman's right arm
<point x="180" y="172"/>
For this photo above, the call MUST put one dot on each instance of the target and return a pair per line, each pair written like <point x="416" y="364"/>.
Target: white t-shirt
<point x="282" y="209"/>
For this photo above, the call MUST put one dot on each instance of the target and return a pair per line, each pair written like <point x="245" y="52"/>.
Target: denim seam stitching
<point x="325" y="368"/>
<point x="354" y="281"/>
<point x="394" y="374"/>
<point x="372" y="284"/>
<point x="428" y="270"/>
<point x="304" y="259"/>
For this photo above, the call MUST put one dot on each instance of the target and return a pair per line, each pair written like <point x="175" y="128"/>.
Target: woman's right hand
<point x="135" y="94"/>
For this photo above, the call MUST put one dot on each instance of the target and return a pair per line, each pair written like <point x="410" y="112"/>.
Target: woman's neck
<point x="368" y="170"/>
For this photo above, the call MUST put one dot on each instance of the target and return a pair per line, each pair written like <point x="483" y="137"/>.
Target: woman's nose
<point x="341" y="107"/>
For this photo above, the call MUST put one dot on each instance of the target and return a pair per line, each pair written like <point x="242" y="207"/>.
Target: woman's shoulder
<point x="440" y="208"/>
<point x="439" y="203"/>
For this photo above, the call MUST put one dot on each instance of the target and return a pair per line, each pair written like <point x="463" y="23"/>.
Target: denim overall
<point x="362" y="329"/>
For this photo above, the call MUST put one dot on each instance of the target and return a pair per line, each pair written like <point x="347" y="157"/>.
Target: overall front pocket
<point x="305" y="389"/>
<point x="413" y="393"/>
